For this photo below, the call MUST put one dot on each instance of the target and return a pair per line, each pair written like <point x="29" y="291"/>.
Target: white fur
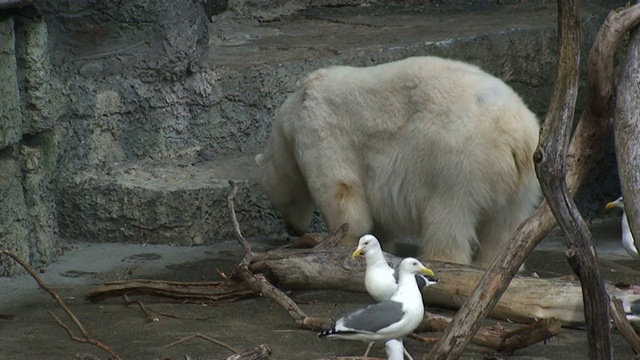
<point x="426" y="147"/>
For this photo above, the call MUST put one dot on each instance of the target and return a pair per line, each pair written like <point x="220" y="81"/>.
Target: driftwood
<point x="586" y="142"/>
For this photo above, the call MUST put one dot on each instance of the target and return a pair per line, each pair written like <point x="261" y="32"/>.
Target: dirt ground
<point x="33" y="334"/>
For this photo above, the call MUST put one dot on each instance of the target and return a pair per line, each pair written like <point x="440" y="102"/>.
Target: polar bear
<point x="424" y="147"/>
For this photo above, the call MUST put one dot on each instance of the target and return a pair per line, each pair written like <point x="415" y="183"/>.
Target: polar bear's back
<point x="411" y="130"/>
<point x="425" y="100"/>
<point x="439" y="93"/>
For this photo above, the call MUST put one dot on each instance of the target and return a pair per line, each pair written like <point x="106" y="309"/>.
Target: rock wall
<point x="31" y="105"/>
<point x="123" y="121"/>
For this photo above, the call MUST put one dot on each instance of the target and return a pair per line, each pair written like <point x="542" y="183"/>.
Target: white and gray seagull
<point x="628" y="242"/>
<point x="388" y="319"/>
<point x="380" y="279"/>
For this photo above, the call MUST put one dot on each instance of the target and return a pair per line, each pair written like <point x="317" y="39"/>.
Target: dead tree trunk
<point x="551" y="169"/>
<point x="627" y="132"/>
<point x="586" y="141"/>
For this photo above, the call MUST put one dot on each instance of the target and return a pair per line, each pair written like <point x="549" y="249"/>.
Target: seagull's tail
<point x="336" y="333"/>
<point x="327" y="333"/>
<point x="425" y="280"/>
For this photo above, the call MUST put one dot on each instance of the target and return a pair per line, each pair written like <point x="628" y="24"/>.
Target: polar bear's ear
<point x="260" y="159"/>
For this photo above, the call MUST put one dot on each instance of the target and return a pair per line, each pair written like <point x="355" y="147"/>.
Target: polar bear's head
<point x="286" y="190"/>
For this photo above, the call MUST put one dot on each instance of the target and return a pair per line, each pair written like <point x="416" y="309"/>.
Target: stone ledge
<point x="176" y="203"/>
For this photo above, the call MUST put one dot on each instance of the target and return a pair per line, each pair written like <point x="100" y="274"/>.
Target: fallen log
<point x="526" y="300"/>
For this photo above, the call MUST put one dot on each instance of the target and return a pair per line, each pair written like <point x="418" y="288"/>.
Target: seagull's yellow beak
<point x="428" y="272"/>
<point x="611" y="205"/>
<point x="356" y="253"/>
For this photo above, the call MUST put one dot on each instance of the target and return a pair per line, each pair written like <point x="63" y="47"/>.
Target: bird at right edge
<point x="628" y="242"/>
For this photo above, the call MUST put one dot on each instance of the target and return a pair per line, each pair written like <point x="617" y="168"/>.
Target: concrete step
<point x="175" y="203"/>
<point x="253" y="66"/>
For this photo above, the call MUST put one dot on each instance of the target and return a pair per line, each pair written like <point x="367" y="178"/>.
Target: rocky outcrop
<point x="31" y="106"/>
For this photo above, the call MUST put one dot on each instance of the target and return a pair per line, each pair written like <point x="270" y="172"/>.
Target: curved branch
<point x="586" y="141"/>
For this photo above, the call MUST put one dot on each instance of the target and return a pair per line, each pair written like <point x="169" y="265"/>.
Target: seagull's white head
<point x="618" y="203"/>
<point x="366" y="243"/>
<point x="413" y="266"/>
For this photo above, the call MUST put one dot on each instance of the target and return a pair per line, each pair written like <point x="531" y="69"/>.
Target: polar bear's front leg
<point x="448" y="231"/>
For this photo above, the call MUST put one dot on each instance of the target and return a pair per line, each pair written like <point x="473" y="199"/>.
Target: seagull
<point x="380" y="279"/>
<point x="627" y="238"/>
<point x="388" y="319"/>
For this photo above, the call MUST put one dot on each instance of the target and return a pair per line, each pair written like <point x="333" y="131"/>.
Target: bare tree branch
<point x="586" y="142"/>
<point x="86" y="337"/>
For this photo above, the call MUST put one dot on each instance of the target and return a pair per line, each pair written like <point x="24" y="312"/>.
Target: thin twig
<point x="259" y="284"/>
<point x="86" y="337"/>
<point x="145" y="311"/>
<point x="66" y="328"/>
<point x="236" y="226"/>
<point x="222" y="275"/>
<point x="206" y="337"/>
<point x="201" y="318"/>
